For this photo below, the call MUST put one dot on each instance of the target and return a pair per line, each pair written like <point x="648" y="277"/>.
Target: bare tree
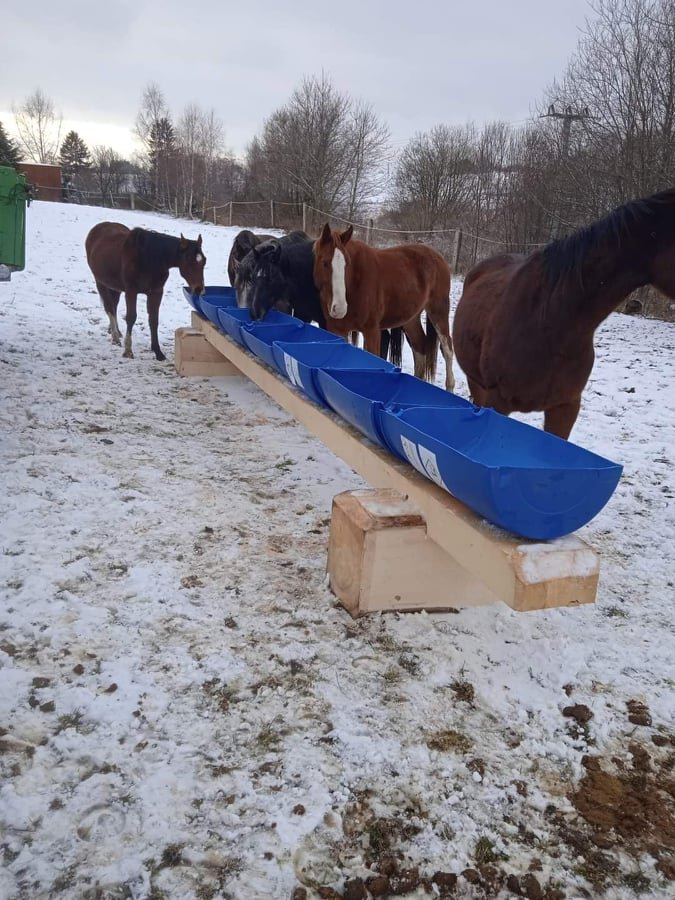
<point x="433" y="177"/>
<point x="108" y="168"/>
<point x="322" y="148"/>
<point x="39" y="127"/>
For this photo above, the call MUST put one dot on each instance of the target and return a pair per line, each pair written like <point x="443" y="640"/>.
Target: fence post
<point x="369" y="232"/>
<point x="272" y="213"/>
<point x="215" y="216"/>
<point x="304" y="217"/>
<point x="176" y="205"/>
<point x="132" y="200"/>
<point x="456" y="249"/>
<point x="230" y="216"/>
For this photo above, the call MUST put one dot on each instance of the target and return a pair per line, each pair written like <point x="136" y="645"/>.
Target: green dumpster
<point x="14" y="194"/>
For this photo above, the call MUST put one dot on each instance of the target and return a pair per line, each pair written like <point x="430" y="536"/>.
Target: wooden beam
<point x="524" y="574"/>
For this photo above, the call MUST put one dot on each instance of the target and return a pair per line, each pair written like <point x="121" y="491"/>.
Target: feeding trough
<point x="214" y="297"/>
<point x="301" y="363"/>
<point x="261" y="336"/>
<point x="523" y="479"/>
<point x="231" y="319"/>
<point x="359" y="396"/>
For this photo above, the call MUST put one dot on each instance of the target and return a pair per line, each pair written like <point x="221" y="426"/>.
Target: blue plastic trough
<point x="214" y="295"/>
<point x="231" y="320"/>
<point x="359" y="397"/>
<point x="513" y="475"/>
<point x="259" y="339"/>
<point x="301" y="363"/>
<point x="516" y="476"/>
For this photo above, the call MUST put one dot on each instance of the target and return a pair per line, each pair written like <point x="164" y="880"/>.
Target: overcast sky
<point x="419" y="62"/>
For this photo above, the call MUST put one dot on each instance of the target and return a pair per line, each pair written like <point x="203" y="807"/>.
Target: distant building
<point x="45" y="179"/>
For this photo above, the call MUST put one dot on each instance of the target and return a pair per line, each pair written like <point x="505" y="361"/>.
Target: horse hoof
<point x="128" y="354"/>
<point x="117" y="341"/>
<point x="160" y="356"/>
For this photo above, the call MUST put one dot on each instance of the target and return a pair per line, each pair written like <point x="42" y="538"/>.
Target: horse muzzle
<point x="338" y="310"/>
<point x="199" y="289"/>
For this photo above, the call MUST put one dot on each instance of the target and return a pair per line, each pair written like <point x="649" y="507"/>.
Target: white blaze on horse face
<point x="338" y="308"/>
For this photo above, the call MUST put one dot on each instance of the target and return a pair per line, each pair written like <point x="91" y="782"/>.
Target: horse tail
<point x="431" y="350"/>
<point x="396" y="346"/>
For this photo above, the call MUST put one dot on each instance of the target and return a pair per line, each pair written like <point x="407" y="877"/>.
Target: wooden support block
<point x="524" y="574"/>
<point x="194" y="355"/>
<point x="381" y="558"/>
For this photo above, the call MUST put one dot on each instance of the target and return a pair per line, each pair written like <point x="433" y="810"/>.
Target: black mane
<point x="628" y="227"/>
<point x="156" y="248"/>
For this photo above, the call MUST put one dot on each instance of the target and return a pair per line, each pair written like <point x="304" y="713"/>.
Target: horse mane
<point x="155" y="247"/>
<point x="626" y="230"/>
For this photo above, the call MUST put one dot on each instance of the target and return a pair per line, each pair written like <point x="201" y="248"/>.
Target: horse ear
<point x="183" y="242"/>
<point x="199" y="240"/>
<point x="345" y="237"/>
<point x="326" y="236"/>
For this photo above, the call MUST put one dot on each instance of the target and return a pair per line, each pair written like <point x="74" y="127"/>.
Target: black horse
<point x="279" y="273"/>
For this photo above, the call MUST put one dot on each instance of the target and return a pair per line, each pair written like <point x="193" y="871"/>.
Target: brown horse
<point x="368" y="290"/>
<point x="138" y="262"/>
<point x="524" y="326"/>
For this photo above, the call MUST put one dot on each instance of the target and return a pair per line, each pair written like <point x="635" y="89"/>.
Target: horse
<point x="280" y="273"/>
<point x="243" y="243"/>
<point x="137" y="261"/>
<point x="524" y="326"/>
<point x="272" y="273"/>
<point x="366" y="289"/>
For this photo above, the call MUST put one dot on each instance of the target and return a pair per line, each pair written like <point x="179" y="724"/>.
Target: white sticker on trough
<point x="424" y="461"/>
<point x="291" y="366"/>
<point x="410" y="451"/>
<point x="430" y="464"/>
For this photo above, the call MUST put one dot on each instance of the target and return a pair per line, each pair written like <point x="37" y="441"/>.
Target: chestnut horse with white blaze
<point x="137" y="261"/>
<point x="367" y="289"/>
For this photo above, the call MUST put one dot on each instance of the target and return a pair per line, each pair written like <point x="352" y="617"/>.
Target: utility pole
<point x="568" y="115"/>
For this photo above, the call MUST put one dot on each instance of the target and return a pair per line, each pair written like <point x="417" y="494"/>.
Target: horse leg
<point x="385" y="340"/>
<point x="371" y="340"/>
<point x="476" y="393"/>
<point x="154" y="301"/>
<point x="559" y="420"/>
<point x="418" y="342"/>
<point x="442" y="327"/>
<point x="130" y="319"/>
<point x="110" y="299"/>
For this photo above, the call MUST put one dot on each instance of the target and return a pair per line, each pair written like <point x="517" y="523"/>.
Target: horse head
<point x="191" y="262"/>
<point x="330" y="267"/>
<point x="267" y="287"/>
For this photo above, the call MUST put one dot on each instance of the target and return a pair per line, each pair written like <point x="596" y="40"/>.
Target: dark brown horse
<point x="242" y="245"/>
<point x="138" y="262"/>
<point x="366" y="289"/>
<point x="524" y="326"/>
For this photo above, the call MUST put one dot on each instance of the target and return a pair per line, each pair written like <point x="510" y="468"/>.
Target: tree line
<point x="603" y="134"/>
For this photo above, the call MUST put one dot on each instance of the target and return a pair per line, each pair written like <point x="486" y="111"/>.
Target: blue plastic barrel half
<point x="516" y="476"/>
<point x="302" y="362"/>
<point x="359" y="396"/>
<point x="231" y="319"/>
<point x="261" y="336"/>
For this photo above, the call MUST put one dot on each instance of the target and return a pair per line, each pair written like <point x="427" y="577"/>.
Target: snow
<point x="184" y="709"/>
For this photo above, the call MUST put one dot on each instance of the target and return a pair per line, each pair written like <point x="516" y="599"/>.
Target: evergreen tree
<point x="9" y="152"/>
<point x="161" y="153"/>
<point x="74" y="153"/>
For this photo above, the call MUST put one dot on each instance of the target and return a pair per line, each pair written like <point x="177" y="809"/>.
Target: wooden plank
<point x="194" y="355"/>
<point x="524" y="574"/>
<point x="381" y="558"/>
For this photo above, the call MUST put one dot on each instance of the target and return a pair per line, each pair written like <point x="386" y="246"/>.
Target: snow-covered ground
<point x="185" y="712"/>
